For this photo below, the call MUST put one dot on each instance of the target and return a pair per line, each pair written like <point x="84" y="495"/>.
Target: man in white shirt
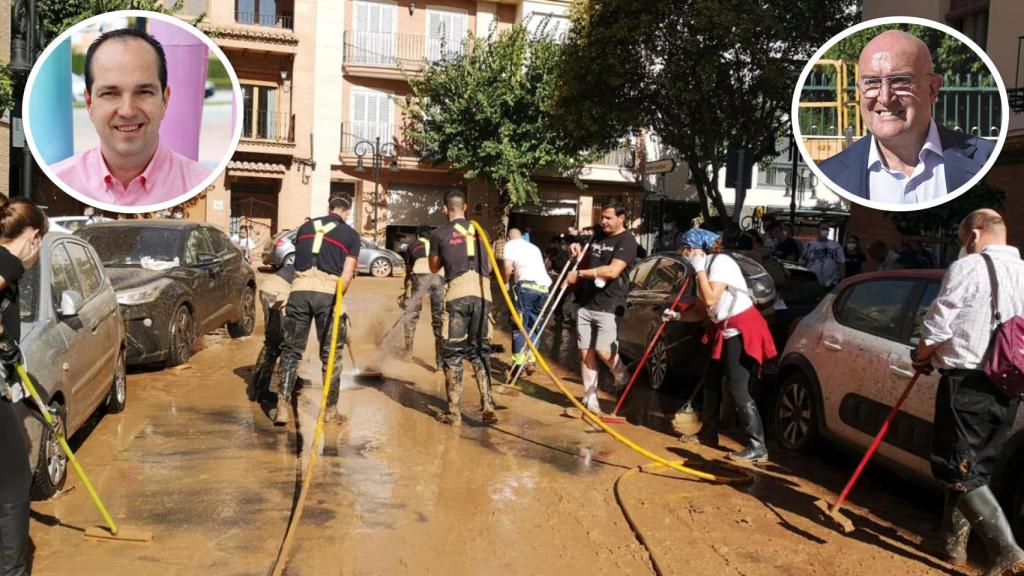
<point x="973" y="418"/>
<point x="825" y="257"/>
<point x="525" y="262"/>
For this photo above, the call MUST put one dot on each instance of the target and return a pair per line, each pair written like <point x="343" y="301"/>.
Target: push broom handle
<point x="875" y="443"/>
<point x="657" y="336"/>
<point x="27" y="382"/>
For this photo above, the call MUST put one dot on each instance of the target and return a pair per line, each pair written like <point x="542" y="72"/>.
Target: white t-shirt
<point x="527" y="261"/>
<point x="823" y="257"/>
<point x="725" y="270"/>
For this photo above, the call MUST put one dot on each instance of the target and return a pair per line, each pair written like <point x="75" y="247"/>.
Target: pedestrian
<point x="273" y="296"/>
<point x="882" y="256"/>
<point x="855" y="258"/>
<point x="526" y="234"/>
<point x="740" y="341"/>
<point x="325" y="249"/>
<point x="466" y="325"/>
<point x="523" y="261"/>
<point x="602" y="299"/>
<point x="419" y="280"/>
<point x="973" y="418"/>
<point x="783" y="245"/>
<point x="22" y="227"/>
<point x="573" y="235"/>
<point x="245" y="242"/>
<point x="825" y="257"/>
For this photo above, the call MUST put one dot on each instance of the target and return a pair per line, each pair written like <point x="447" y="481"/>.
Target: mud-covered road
<point x="193" y="461"/>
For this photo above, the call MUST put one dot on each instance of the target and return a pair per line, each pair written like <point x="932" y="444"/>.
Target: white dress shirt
<point x="527" y="262"/>
<point x="960" y="318"/>
<point x="927" y="182"/>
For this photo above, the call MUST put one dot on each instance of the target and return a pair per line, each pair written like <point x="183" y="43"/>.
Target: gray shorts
<point x="596" y="330"/>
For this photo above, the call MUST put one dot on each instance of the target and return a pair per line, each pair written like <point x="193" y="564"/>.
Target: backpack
<point x="1004" y="359"/>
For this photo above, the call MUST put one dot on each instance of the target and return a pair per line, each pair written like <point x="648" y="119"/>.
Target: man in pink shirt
<point x="126" y="94"/>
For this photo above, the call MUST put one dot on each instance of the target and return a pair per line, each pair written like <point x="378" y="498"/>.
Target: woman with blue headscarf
<point x="739" y="337"/>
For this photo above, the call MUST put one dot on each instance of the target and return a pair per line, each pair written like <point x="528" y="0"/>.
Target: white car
<point x="69" y="224"/>
<point x="845" y="366"/>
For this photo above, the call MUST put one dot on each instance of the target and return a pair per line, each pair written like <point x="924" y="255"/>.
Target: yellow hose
<point x="282" y="555"/>
<point x="743" y="476"/>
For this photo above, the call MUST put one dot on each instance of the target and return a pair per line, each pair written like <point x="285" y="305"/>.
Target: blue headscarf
<point x="698" y="238"/>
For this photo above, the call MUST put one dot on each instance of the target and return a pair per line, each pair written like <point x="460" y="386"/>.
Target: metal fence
<point x="620" y="157"/>
<point x="267" y="19"/>
<point x="264" y="125"/>
<point x="397" y="50"/>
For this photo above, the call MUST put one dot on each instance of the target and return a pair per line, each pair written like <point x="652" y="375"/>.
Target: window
<point x="260" y="117"/>
<point x="218" y="242"/>
<point x="89" y="274"/>
<point x="446" y="33"/>
<point x="198" y="243"/>
<point x="258" y="12"/>
<point x="875" y="307"/>
<point x="63" y="272"/>
<point x="374" y="37"/>
<point x="372" y="114"/>
<point x="665" y="277"/>
<point x="553" y="25"/>
<point x="931" y="290"/>
<point x="639" y="274"/>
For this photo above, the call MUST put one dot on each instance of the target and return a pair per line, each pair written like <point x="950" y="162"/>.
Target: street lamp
<point x="24" y="49"/>
<point x="379" y="153"/>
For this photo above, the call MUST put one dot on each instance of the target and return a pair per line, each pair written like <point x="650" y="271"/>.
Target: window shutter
<point x="434" y="35"/>
<point x="358" y="114"/>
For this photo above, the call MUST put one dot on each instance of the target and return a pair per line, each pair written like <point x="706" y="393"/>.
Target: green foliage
<point x="57" y="16"/>
<point x="488" y="112"/>
<point x="217" y="73"/>
<point x="944" y="220"/>
<point x="950" y="56"/>
<point x="6" y="88"/>
<point x="706" y="75"/>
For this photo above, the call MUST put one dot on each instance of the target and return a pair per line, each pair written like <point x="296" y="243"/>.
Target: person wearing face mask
<point x="855" y="258"/>
<point x="22" y="226"/>
<point x="825" y="257"/>
<point x="739" y="337"/>
<point x="973" y="418"/>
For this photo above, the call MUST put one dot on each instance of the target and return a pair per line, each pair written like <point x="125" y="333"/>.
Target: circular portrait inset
<point x="132" y="111"/>
<point x="900" y="113"/>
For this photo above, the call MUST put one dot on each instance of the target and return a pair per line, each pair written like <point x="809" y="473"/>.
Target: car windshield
<point x="28" y="294"/>
<point x="133" y="247"/>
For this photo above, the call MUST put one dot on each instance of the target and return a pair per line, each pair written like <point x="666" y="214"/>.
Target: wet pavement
<point x="193" y="461"/>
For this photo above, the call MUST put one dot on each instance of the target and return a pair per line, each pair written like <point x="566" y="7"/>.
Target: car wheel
<point x="796" y="422"/>
<point x="182" y="336"/>
<point x="289" y="260"/>
<point x="657" y="365"/>
<point x="52" y="470"/>
<point x="380" y="268"/>
<point x="247" y="323"/>
<point x="118" y="396"/>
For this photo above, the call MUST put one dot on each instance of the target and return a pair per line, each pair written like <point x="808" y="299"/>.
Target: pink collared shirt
<point x="167" y="176"/>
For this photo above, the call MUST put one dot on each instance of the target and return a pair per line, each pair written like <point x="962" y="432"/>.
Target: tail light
<point x="279" y="243"/>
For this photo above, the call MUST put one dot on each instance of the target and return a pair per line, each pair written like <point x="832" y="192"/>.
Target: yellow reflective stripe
<point x="470" y="239"/>
<point x="321" y="231"/>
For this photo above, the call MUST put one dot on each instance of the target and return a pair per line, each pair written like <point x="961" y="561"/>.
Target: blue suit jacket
<point x="963" y="156"/>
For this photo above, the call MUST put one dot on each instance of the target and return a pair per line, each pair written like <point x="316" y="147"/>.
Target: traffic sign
<point x="662" y="166"/>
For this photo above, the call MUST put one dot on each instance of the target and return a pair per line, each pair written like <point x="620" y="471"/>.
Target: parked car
<point x="175" y="281"/>
<point x="379" y="262"/>
<point x="847" y="363"/>
<point x="654" y="283"/>
<point x="74" y="345"/>
<point x="209" y="89"/>
<point x="68" y="224"/>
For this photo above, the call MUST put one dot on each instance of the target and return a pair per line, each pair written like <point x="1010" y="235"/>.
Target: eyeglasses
<point x="900" y="85"/>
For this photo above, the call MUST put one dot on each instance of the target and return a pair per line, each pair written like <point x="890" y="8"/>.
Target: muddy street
<point x="192" y="460"/>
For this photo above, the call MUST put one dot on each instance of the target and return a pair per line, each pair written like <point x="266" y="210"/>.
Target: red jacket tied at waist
<point x="757" y="339"/>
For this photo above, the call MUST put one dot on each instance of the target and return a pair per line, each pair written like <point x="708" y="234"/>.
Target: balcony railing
<point x="271" y="127"/>
<point x="269" y="20"/>
<point x="391" y="50"/>
<point x="354" y="132"/>
<point x="619" y="158"/>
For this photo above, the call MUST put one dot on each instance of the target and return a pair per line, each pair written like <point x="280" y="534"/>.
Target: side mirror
<point x="70" y="303"/>
<point x="205" y="258"/>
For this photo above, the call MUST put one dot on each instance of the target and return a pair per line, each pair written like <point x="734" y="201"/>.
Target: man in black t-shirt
<point x="466" y="323"/>
<point x="419" y="280"/>
<point x="325" y="248"/>
<point x="602" y="299"/>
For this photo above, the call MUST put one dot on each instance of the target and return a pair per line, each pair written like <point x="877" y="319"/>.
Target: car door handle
<point x="901" y="372"/>
<point x="831" y="345"/>
<point x="95" y="324"/>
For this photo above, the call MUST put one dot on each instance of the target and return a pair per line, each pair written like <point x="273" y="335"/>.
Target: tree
<point x="944" y="220"/>
<point x="56" y="16"/>
<point x="487" y="112"/>
<point x="705" y="75"/>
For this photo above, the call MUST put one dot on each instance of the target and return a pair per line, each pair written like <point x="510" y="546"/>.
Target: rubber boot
<point x="986" y="517"/>
<point x="751" y="420"/>
<point x="255" y="383"/>
<point x="453" y="389"/>
<point x="951" y="545"/>
<point x="710" y="417"/>
<point x="438" y="359"/>
<point x="14" y="539"/>
<point x="482" y="371"/>
<point x="284" y="396"/>
<point x="331" y="413"/>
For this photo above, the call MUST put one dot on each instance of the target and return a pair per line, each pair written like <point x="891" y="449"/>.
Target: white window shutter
<point x="434" y="35"/>
<point x="358" y="129"/>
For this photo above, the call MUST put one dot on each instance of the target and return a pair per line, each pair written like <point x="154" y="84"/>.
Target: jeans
<point x="528" y="304"/>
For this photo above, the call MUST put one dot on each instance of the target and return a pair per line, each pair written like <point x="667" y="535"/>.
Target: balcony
<point x="388" y="55"/>
<point x="267" y="20"/>
<point x="269" y="132"/>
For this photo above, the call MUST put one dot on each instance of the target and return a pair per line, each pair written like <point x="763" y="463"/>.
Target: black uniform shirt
<point x="340" y="243"/>
<point x="450" y="244"/>
<point x="417" y="250"/>
<point x="11" y="270"/>
<point x="611" y="298"/>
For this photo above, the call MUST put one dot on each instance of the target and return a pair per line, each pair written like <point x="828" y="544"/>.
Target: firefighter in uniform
<point x="273" y="296"/>
<point x="466" y="324"/>
<point x="325" y="248"/>
<point x="419" y="279"/>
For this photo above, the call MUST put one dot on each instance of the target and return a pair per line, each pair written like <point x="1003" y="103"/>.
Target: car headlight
<point x="142" y="294"/>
